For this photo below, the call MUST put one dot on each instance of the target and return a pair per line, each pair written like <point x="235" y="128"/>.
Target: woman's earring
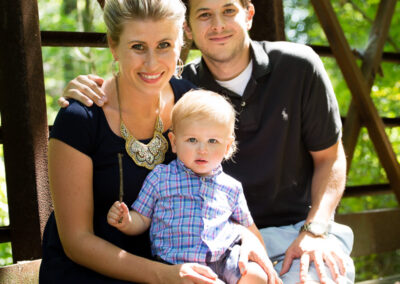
<point x="115" y="68"/>
<point x="179" y="68"/>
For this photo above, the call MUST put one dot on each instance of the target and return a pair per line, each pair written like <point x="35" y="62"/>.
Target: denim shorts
<point x="278" y="239"/>
<point x="227" y="266"/>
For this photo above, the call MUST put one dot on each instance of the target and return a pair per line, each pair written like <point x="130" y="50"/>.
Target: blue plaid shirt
<point x="192" y="216"/>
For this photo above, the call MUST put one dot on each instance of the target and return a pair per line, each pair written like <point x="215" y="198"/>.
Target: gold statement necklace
<point x="144" y="155"/>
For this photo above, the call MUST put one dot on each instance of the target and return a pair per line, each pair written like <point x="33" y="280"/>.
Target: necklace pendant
<point x="143" y="155"/>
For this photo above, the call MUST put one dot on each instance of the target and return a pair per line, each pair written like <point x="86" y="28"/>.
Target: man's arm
<point x="328" y="182"/>
<point x="327" y="188"/>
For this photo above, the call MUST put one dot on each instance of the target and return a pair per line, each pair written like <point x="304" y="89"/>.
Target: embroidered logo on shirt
<point x="284" y="115"/>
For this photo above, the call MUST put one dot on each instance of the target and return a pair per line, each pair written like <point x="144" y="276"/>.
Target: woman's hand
<point x="188" y="273"/>
<point x="85" y="89"/>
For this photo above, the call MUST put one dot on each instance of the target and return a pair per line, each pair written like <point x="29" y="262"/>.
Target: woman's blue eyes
<point x="164" y="45"/>
<point x="142" y="47"/>
<point x="138" y="47"/>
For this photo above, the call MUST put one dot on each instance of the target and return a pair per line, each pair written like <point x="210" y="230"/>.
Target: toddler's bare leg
<point x="255" y="275"/>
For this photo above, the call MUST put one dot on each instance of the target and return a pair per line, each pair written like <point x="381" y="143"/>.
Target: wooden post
<point x="24" y="125"/>
<point x="371" y="62"/>
<point x="268" y="22"/>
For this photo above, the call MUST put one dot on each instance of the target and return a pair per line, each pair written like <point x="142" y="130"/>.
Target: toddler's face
<point x="201" y="145"/>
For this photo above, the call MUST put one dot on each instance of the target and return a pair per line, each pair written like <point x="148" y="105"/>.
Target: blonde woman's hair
<point x="117" y="12"/>
<point x="205" y="105"/>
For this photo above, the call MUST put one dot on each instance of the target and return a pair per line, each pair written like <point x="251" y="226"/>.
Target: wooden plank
<point x="72" y="39"/>
<point x="394" y="279"/>
<point x="351" y="132"/>
<point x="370" y="65"/>
<point x="5" y="235"/>
<point x="375" y="231"/>
<point x="24" y="125"/>
<point x="26" y="272"/>
<point x="370" y="189"/>
<point x="358" y="87"/>
<point x="393" y="57"/>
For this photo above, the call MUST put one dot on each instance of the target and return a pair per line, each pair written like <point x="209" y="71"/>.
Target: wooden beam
<point x="370" y="65"/>
<point x="268" y="21"/>
<point x="393" y="279"/>
<point x="73" y="39"/>
<point x="359" y="89"/>
<point x="351" y="131"/>
<point x="375" y="231"/>
<point x="322" y="50"/>
<point x="24" y="125"/>
<point x="369" y="189"/>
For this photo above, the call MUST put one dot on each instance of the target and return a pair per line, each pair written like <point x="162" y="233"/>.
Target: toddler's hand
<point x="118" y="215"/>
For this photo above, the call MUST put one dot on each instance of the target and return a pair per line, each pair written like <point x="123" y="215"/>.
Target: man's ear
<point x="250" y="14"/>
<point x="188" y="30"/>
<point x="171" y="137"/>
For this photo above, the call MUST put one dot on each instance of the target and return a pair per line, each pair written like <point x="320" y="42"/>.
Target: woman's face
<point x="147" y="53"/>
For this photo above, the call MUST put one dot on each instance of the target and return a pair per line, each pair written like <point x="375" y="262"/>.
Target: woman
<point x="145" y="38"/>
<point x="98" y="155"/>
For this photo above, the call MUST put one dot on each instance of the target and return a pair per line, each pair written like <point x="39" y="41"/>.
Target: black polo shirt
<point x="288" y="109"/>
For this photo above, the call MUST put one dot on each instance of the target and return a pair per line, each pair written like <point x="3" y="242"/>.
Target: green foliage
<point x="5" y="248"/>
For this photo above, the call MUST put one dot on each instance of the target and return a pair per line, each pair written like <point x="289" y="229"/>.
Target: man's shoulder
<point x="286" y="50"/>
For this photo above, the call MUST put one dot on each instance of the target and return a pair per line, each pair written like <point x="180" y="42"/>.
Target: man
<point x="290" y="161"/>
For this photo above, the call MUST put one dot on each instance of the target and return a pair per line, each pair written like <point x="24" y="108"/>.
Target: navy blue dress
<point x="87" y="130"/>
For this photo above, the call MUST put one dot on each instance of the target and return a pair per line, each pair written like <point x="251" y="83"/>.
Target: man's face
<point x="219" y="28"/>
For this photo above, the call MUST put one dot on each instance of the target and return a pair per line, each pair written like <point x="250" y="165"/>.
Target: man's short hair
<point x="245" y="4"/>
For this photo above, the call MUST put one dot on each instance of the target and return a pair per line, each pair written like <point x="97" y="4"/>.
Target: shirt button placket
<point x="204" y="194"/>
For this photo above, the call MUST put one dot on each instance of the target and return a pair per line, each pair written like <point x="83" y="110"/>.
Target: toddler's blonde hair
<point x="205" y="105"/>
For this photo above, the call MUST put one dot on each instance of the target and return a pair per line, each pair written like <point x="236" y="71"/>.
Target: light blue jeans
<point x="278" y="239"/>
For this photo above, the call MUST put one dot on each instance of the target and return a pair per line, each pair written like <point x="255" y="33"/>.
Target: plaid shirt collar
<point x="214" y="173"/>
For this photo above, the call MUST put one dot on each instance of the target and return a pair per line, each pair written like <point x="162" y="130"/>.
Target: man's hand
<point x="85" y="89"/>
<point x="319" y="250"/>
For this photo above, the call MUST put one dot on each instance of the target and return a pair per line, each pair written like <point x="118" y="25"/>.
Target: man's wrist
<point x="317" y="229"/>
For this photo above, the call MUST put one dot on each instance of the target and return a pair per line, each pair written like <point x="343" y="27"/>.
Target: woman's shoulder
<point x="75" y="122"/>
<point x="76" y="112"/>
<point x="79" y="109"/>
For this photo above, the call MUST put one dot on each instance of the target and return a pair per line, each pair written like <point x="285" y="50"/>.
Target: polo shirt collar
<point x="260" y="58"/>
<point x="215" y="172"/>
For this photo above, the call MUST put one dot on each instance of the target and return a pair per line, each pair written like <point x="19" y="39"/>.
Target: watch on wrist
<point x="318" y="229"/>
